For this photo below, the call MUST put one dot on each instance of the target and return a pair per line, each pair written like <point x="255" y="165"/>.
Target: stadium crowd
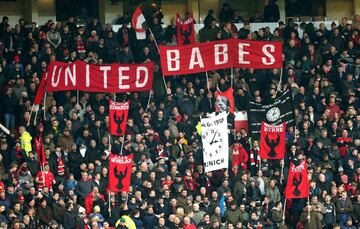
<point x="169" y="188"/>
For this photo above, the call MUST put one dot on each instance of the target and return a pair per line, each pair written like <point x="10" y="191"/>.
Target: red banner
<point x="272" y="141"/>
<point x="298" y="183"/>
<point x="118" y="114"/>
<point x="40" y="151"/>
<point x="185" y="30"/>
<point x="117" y="78"/>
<point x="215" y="55"/>
<point x="120" y="172"/>
<point x="224" y="100"/>
<point x="41" y="90"/>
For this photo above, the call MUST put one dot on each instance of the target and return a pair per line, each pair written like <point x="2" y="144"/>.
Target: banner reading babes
<point x="272" y="141"/>
<point x="118" y="114"/>
<point x="298" y="183"/>
<point x="120" y="172"/>
<point x="209" y="56"/>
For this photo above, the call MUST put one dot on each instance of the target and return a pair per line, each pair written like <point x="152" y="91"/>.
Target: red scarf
<point x="80" y="46"/>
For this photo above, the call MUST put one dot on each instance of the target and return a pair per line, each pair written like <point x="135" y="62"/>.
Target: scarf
<point x="80" y="46"/>
<point x="254" y="152"/>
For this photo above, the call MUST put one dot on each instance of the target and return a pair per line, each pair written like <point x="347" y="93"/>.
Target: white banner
<point x="215" y="142"/>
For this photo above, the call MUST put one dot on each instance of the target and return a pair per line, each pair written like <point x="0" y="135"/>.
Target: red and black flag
<point x="120" y="172"/>
<point x="118" y="114"/>
<point x="40" y="151"/>
<point x="224" y="100"/>
<point x="298" y="183"/>
<point x="185" y="30"/>
<point x="272" y="141"/>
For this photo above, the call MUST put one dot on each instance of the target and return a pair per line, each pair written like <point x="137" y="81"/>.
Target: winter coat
<point x="276" y="215"/>
<point x="232" y="216"/>
<point x="89" y="201"/>
<point x="45" y="215"/>
<point x="83" y="188"/>
<point x="348" y="209"/>
<point x="25" y="139"/>
<point x="69" y="220"/>
<point x="273" y="193"/>
<point x="66" y="142"/>
<point x="315" y="221"/>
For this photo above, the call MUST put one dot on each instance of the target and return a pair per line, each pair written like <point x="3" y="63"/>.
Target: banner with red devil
<point x="272" y="141"/>
<point x="118" y="114"/>
<point x="120" y="172"/>
<point x="298" y="183"/>
<point x="185" y="30"/>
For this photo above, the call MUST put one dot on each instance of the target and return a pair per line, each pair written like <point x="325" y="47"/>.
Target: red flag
<point x="138" y="23"/>
<point x="241" y="121"/>
<point x="118" y="113"/>
<point x="41" y="90"/>
<point x="40" y="151"/>
<point x="272" y="141"/>
<point x="298" y="183"/>
<point x="224" y="100"/>
<point x="120" y="172"/>
<point x="185" y="30"/>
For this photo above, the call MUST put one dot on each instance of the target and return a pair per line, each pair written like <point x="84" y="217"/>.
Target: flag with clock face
<point x="214" y="135"/>
<point x="281" y="110"/>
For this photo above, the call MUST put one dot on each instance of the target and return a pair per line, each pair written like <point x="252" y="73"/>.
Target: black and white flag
<point x="214" y="135"/>
<point x="275" y="113"/>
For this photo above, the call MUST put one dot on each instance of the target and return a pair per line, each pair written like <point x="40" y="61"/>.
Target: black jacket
<point x="69" y="220"/>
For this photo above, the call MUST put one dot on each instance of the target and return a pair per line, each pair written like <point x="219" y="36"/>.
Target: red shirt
<point x="49" y="178"/>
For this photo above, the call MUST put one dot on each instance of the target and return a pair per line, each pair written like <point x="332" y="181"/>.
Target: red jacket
<point x="240" y="156"/>
<point x="190" y="226"/>
<point x="89" y="202"/>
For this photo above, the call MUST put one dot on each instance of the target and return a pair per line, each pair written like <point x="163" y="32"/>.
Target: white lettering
<point x="242" y="53"/>
<point x="87" y="75"/>
<point x="105" y="69"/>
<point x="53" y="82"/>
<point x="71" y="75"/>
<point x="223" y="53"/>
<point x="268" y="54"/>
<point x="195" y="58"/>
<point x="138" y="76"/>
<point x="123" y="77"/>
<point x="173" y="62"/>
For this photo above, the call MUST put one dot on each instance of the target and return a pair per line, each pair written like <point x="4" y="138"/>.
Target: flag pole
<point x="282" y="171"/>
<point x="36" y="113"/>
<point x="109" y="204"/>
<point x="308" y="217"/>
<point x="259" y="163"/>
<point x="157" y="46"/>
<point x="232" y="77"/>
<point x="283" y="218"/>
<point x="280" y="81"/>
<point x="122" y="145"/>
<point x="207" y="81"/>
<point x="31" y="111"/>
<point x="149" y="99"/>
<point x="45" y="106"/>
<point x="114" y="95"/>
<point x="127" y="198"/>
<point x="77" y="98"/>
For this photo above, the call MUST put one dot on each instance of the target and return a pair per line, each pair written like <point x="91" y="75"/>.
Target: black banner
<point x="276" y="113"/>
